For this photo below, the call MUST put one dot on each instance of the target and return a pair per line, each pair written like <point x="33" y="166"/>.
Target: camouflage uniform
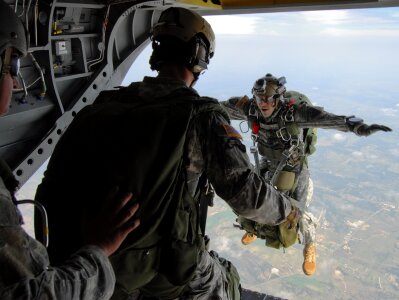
<point x="212" y="148"/>
<point x="271" y="147"/>
<point x="25" y="271"/>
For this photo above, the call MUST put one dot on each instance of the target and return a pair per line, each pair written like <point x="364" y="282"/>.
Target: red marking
<point x="255" y="128"/>
<point x="291" y="103"/>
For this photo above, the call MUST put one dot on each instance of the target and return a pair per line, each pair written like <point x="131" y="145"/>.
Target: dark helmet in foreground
<point x="12" y="31"/>
<point x="269" y="88"/>
<point x="182" y="36"/>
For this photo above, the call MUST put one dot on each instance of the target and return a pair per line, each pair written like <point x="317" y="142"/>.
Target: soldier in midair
<point x="283" y="125"/>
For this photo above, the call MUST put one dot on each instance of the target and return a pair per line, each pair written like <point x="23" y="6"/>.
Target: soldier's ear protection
<point x="200" y="56"/>
<point x="10" y="63"/>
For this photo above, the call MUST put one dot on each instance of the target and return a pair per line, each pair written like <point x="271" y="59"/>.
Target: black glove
<point x="366" y="130"/>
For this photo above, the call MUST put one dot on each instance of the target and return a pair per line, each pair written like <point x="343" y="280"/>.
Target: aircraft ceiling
<point x="78" y="48"/>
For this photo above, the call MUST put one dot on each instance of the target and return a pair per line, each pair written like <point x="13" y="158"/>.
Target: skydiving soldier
<point x="188" y="142"/>
<point x="283" y="125"/>
<point x="25" y="271"/>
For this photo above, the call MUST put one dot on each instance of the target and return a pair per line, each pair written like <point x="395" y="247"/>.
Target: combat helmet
<point x="269" y="88"/>
<point x="12" y="31"/>
<point x="190" y="37"/>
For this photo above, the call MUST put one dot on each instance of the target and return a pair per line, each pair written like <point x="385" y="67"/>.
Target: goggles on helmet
<point x="263" y="98"/>
<point x="268" y="89"/>
<point x="10" y="63"/>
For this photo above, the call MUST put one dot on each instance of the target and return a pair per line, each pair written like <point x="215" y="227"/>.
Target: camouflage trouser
<point x="304" y="195"/>
<point x="214" y="279"/>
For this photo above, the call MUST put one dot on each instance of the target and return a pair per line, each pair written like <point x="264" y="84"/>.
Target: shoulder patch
<point x="230" y="131"/>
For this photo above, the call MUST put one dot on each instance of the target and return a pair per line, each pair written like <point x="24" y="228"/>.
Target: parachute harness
<point x="295" y="153"/>
<point x="254" y="148"/>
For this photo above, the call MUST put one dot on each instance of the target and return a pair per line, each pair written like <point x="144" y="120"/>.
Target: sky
<point x="321" y="53"/>
<point x="344" y="60"/>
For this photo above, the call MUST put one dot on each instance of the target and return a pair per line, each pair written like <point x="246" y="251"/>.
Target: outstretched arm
<point x="87" y="274"/>
<point x="236" y="107"/>
<point x="308" y="116"/>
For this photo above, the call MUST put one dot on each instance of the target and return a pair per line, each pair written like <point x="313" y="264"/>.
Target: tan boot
<point x="248" y="238"/>
<point x="309" y="262"/>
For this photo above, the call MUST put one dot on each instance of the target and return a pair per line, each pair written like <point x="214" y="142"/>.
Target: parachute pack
<point x="310" y="134"/>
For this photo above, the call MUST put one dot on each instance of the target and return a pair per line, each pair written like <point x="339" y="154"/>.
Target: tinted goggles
<point x="10" y="63"/>
<point x="263" y="98"/>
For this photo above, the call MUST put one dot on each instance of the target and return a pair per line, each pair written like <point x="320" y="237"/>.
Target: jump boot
<point x="248" y="238"/>
<point x="309" y="259"/>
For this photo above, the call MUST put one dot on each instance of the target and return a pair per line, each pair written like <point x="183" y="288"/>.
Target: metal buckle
<point x="253" y="149"/>
<point x="296" y="151"/>
<point x="285" y="137"/>
<point x="294" y="142"/>
<point x="254" y="137"/>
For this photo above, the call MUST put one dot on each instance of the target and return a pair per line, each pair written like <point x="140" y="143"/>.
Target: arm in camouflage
<point x="311" y="116"/>
<point x="88" y="274"/>
<point x="307" y="116"/>
<point x="232" y="175"/>
<point x="236" y="107"/>
<point x="25" y="271"/>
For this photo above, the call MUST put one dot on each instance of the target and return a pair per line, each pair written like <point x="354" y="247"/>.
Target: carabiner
<point x="280" y="134"/>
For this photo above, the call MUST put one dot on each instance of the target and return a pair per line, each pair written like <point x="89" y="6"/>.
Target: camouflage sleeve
<point x="232" y="175"/>
<point x="317" y="117"/>
<point x="88" y="274"/>
<point x="237" y="107"/>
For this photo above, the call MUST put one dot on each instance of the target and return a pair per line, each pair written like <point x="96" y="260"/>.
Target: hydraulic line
<point x="102" y="50"/>
<point x="23" y="99"/>
<point x="39" y="69"/>
<point x="35" y="19"/>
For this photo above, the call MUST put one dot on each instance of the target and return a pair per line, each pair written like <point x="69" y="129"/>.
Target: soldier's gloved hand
<point x="242" y="102"/>
<point x="366" y="130"/>
<point x="293" y="217"/>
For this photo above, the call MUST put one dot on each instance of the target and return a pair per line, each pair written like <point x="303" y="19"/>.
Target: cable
<point x="27" y="86"/>
<point x="23" y="99"/>
<point x="44" y="87"/>
<point x="23" y="9"/>
<point x="102" y="50"/>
